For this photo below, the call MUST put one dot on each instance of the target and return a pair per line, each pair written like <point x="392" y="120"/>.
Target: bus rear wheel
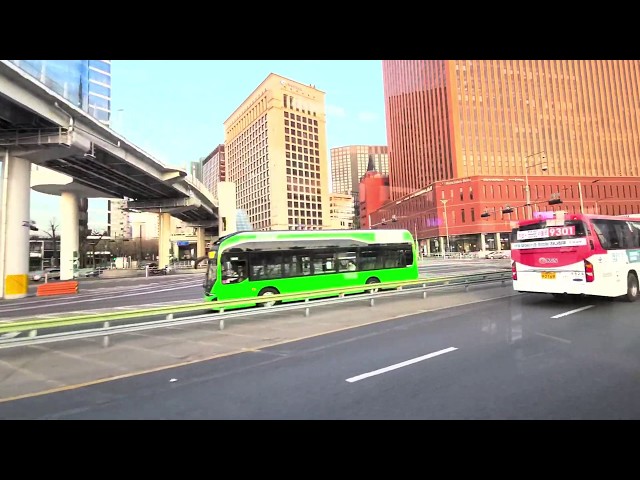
<point x="266" y="292"/>
<point x="632" y="287"/>
<point x="370" y="281"/>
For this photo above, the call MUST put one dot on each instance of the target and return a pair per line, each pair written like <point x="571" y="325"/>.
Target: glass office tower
<point x="85" y="83"/>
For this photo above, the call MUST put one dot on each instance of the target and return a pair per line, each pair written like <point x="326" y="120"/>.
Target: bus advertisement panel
<point x="577" y="255"/>
<point x="262" y="263"/>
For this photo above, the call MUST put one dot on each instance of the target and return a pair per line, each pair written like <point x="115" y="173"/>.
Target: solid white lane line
<point x="83" y="300"/>
<point x="573" y="311"/>
<point x="400" y="365"/>
<point x="94" y="292"/>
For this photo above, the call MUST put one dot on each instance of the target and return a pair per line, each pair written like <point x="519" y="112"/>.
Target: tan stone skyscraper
<point x="276" y="153"/>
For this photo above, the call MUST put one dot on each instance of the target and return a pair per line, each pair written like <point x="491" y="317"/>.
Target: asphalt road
<point x="489" y="353"/>
<point x="97" y="295"/>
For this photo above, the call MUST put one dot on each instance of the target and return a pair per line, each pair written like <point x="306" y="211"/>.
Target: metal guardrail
<point x="10" y="331"/>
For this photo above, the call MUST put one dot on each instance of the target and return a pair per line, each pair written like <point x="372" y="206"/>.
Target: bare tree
<point x="93" y="242"/>
<point x="53" y="227"/>
<point x="148" y="248"/>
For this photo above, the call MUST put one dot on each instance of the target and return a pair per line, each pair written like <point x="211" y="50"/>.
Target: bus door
<point x="615" y="237"/>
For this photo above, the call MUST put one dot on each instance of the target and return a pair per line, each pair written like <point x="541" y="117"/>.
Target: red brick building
<point x="373" y="193"/>
<point x="423" y="211"/>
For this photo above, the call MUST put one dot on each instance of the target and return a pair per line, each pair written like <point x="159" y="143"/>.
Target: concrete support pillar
<point x="428" y="244"/>
<point x="69" y="232"/>
<point x="498" y="243"/>
<point x="483" y="242"/>
<point x="227" y="208"/>
<point x="442" y="245"/>
<point x="14" y="227"/>
<point x="164" y="242"/>
<point x="200" y="248"/>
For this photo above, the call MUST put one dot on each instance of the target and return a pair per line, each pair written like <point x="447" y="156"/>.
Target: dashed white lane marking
<point x="573" y="311"/>
<point x="400" y="365"/>
<point x="564" y="340"/>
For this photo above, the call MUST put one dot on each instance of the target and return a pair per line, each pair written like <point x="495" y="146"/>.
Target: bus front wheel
<point x="632" y="287"/>
<point x="371" y="280"/>
<point x="266" y="292"/>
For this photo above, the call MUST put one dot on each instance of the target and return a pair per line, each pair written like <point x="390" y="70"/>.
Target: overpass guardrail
<point x="30" y="332"/>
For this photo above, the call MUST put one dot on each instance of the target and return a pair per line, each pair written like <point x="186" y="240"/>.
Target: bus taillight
<point x="588" y="271"/>
<point x="514" y="273"/>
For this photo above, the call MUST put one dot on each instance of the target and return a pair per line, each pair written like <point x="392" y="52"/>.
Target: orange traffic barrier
<point x="57" y="288"/>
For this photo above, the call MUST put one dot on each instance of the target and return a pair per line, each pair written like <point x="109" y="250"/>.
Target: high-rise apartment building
<point x="144" y="225"/>
<point x="118" y="219"/>
<point x="468" y="137"/>
<point x="276" y="154"/>
<point x="213" y="169"/>
<point x="195" y="169"/>
<point x="341" y="211"/>
<point x="350" y="163"/>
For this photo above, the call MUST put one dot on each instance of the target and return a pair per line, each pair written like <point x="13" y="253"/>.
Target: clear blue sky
<point x="175" y="109"/>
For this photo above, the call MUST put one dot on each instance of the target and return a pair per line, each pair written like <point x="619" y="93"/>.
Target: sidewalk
<point x="134" y="272"/>
<point x="27" y="371"/>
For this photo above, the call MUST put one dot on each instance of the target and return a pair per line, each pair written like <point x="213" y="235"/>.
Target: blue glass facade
<point x="85" y="83"/>
<point x="243" y="224"/>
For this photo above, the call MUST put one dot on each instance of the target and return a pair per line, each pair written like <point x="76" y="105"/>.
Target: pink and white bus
<point x="577" y="254"/>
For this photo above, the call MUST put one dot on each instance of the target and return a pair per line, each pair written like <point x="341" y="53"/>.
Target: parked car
<point x="499" y="254"/>
<point x="94" y="273"/>
<point x="154" y="269"/>
<point x="52" y="273"/>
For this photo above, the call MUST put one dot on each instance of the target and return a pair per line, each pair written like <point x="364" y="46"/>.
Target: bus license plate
<point x="548" y="275"/>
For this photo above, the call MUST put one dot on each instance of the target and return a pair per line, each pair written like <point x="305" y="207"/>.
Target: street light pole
<point x="446" y="225"/>
<point x="580" y="193"/>
<point x="525" y="162"/>
<point x="581" y="200"/>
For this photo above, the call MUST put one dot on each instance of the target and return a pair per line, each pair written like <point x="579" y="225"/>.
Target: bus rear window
<point x="540" y="231"/>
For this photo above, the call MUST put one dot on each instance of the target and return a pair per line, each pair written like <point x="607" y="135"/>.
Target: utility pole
<point x="446" y="226"/>
<point x="526" y="166"/>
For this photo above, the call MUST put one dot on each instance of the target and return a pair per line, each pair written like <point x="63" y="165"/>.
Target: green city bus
<point x="254" y="264"/>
